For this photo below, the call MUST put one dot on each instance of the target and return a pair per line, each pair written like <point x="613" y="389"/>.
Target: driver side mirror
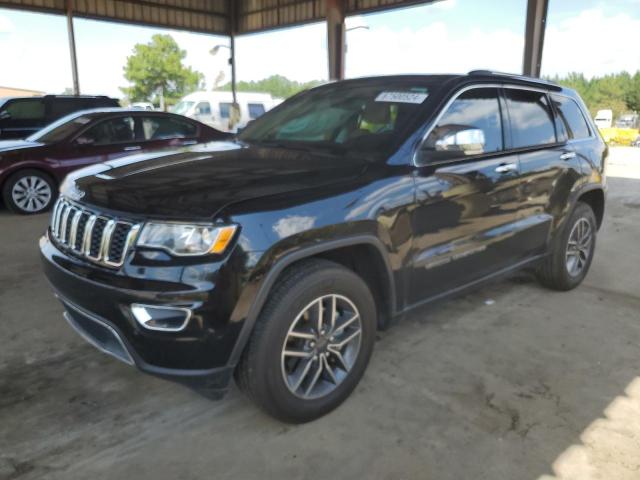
<point x="448" y="142"/>
<point x="4" y="115"/>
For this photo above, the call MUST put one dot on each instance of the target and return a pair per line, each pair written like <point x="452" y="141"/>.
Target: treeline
<point x="619" y="92"/>
<point x="277" y="85"/>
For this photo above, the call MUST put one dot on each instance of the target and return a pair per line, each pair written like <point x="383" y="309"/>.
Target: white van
<point x="604" y="119"/>
<point x="214" y="108"/>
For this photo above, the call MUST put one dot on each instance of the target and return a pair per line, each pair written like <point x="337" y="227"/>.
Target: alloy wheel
<point x="31" y="193"/>
<point x="579" y="247"/>
<point x="321" y="346"/>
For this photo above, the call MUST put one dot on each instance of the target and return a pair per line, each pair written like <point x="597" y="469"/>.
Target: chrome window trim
<point x="454" y="97"/>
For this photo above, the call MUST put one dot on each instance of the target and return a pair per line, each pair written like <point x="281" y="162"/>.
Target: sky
<point x="595" y="37"/>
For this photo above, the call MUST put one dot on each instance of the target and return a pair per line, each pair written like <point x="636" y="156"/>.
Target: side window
<point x="203" y="108"/>
<point x="64" y="106"/>
<point x="25" y="109"/>
<point x="255" y="110"/>
<point x="472" y="125"/>
<point x="161" y="128"/>
<point x="531" y="120"/>
<point x="572" y="118"/>
<point x="225" y="108"/>
<point x="115" y="130"/>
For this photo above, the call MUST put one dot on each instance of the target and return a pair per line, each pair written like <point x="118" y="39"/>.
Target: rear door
<point x="20" y="117"/>
<point x="575" y="129"/>
<point x="467" y="190"/>
<point x="549" y="167"/>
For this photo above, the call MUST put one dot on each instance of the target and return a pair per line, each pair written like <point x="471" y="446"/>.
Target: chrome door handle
<point x="506" y="168"/>
<point x="189" y="142"/>
<point x="567" y="155"/>
<point x="132" y="149"/>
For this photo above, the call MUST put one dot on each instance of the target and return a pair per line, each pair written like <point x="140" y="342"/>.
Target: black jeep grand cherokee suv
<point x="276" y="256"/>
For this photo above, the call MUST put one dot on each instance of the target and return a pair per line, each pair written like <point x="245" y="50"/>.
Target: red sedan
<point x="31" y="169"/>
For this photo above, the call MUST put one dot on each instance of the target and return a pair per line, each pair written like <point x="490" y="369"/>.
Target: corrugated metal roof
<point x="260" y="15"/>
<point x="210" y="16"/>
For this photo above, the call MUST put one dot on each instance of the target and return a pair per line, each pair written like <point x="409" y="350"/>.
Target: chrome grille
<point x="99" y="238"/>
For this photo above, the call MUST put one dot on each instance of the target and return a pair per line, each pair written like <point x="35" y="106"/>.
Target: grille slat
<point x="98" y="238"/>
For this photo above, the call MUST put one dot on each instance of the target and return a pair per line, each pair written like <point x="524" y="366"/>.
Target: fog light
<point x="166" y="319"/>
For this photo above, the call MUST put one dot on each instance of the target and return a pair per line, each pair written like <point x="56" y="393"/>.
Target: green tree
<point x="277" y="85"/>
<point x="632" y="96"/>
<point x="156" y="68"/>
<point x="619" y="92"/>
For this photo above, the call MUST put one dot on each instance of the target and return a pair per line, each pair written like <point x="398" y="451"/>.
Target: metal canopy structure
<point x="237" y="17"/>
<point x="207" y="16"/>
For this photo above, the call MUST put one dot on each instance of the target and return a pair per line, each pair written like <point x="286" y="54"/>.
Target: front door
<point x="106" y="140"/>
<point x="467" y="198"/>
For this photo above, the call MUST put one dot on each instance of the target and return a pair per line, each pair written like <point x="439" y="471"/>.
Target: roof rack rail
<point x="514" y="76"/>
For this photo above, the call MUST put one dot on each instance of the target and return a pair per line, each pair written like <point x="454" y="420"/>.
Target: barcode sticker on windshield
<point x="401" y="97"/>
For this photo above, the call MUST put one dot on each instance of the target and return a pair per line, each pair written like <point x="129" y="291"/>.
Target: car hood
<point x="199" y="181"/>
<point x="10" y="145"/>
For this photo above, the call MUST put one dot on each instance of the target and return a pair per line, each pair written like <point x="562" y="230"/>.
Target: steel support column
<point x="233" y="24"/>
<point x="534" y="36"/>
<point x="72" y="48"/>
<point x="336" y="38"/>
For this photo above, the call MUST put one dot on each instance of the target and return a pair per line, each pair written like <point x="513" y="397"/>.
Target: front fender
<point x="273" y="262"/>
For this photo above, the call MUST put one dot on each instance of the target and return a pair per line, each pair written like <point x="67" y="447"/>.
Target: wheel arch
<point x="595" y="198"/>
<point x="348" y="252"/>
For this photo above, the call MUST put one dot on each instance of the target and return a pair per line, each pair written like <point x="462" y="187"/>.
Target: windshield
<point x="345" y="116"/>
<point x="60" y="129"/>
<point x="181" y="108"/>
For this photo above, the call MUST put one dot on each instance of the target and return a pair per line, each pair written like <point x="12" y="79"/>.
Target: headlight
<point x="185" y="240"/>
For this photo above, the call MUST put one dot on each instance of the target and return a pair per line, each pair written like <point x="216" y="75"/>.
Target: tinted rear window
<point x="531" y="120"/>
<point x="572" y="118"/>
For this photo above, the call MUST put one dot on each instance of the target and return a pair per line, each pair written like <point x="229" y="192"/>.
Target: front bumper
<point x="98" y="306"/>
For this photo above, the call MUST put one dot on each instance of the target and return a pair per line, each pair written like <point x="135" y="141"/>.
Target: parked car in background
<point x="628" y="120"/>
<point x="31" y="169"/>
<point x="275" y="257"/>
<point x="214" y="108"/>
<point x="23" y="116"/>
<point x="142" y="106"/>
<point x="604" y="119"/>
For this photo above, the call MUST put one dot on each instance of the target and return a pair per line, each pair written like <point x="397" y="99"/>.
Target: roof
<point x="474" y="75"/>
<point x="209" y="16"/>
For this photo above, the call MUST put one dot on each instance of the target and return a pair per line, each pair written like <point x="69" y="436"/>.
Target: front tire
<point x="311" y="344"/>
<point x="28" y="192"/>
<point x="573" y="250"/>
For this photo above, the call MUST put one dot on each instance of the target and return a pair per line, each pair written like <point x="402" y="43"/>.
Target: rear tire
<point x="283" y="384"/>
<point x="28" y="192"/>
<point x="569" y="262"/>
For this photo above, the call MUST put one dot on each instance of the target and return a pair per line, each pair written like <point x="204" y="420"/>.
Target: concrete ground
<point x="510" y="382"/>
